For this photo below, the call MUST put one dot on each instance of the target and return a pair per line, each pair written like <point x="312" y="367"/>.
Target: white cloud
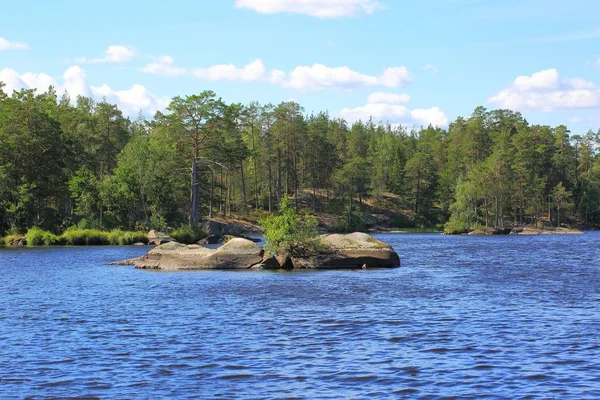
<point x="546" y="91"/>
<point x="545" y="79"/>
<point x="113" y="54"/>
<point x="253" y="71"/>
<point x="8" y="45"/>
<point x="379" y="112"/>
<point x="319" y="76"/>
<point x="314" y="8"/>
<point x="315" y="77"/>
<point x="383" y="107"/>
<point x="596" y="63"/>
<point x="431" y="68"/>
<point x="15" y="81"/>
<point x="430" y="116"/>
<point x="391" y="98"/>
<point x="164" y="65"/>
<point x="575" y="120"/>
<point x="75" y="82"/>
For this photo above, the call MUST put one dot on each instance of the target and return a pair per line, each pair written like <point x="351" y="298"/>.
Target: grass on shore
<point x="187" y="235"/>
<point x="76" y="237"/>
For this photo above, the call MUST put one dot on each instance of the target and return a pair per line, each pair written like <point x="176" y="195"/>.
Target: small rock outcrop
<point x="236" y="254"/>
<point x="354" y="250"/>
<point x="157" y="238"/>
<point x="519" y="230"/>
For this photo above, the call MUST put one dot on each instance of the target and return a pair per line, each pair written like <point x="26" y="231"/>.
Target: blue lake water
<point x="505" y="317"/>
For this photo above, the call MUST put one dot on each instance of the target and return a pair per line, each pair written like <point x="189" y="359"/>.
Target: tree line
<point x="78" y="162"/>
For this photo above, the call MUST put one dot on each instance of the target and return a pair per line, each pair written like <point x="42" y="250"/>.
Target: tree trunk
<point x="270" y="188"/>
<point x="229" y="190"/>
<point x="487" y="213"/>
<point x="417" y="195"/>
<point x="243" y="186"/>
<point x="350" y="209"/>
<point x="221" y="211"/>
<point x="496" y="224"/>
<point x="279" y="183"/>
<point x="194" y="195"/>
<point x="212" y="193"/>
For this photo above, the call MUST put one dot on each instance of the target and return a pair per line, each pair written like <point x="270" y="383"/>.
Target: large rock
<point x="236" y="254"/>
<point x="222" y="228"/>
<point x="354" y="250"/>
<point x="157" y="238"/>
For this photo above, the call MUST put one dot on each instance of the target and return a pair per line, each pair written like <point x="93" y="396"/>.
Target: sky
<point x="410" y="62"/>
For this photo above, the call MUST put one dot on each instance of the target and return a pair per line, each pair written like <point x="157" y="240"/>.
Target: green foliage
<point x="12" y="237"/>
<point x="188" y="235"/>
<point x="38" y="237"/>
<point x="84" y="163"/>
<point x="287" y="231"/>
<point x="158" y="222"/>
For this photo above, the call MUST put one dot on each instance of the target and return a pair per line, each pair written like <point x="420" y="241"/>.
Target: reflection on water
<point x="464" y="316"/>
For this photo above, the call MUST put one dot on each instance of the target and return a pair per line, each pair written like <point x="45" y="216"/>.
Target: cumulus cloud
<point x="315" y="77"/>
<point x="15" y="81"/>
<point x="386" y="107"/>
<point x="112" y="54"/>
<point x="319" y="76"/>
<point x="314" y="8"/>
<point x="253" y="71"/>
<point x="164" y="65"/>
<point x="547" y="91"/>
<point x="74" y="81"/>
<point x="430" y="116"/>
<point x="430" y="68"/>
<point x="8" y="45"/>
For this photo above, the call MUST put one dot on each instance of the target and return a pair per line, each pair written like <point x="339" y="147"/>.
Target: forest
<point x="78" y="162"/>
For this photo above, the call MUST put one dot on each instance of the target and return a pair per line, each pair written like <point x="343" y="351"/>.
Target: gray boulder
<point x="157" y="238"/>
<point x="354" y="250"/>
<point x="236" y="254"/>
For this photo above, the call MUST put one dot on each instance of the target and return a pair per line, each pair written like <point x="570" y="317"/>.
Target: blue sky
<point x="403" y="61"/>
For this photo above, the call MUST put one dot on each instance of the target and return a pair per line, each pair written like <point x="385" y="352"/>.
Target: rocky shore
<point x="524" y="231"/>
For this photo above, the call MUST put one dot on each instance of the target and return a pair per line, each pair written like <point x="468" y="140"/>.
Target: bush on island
<point x="289" y="232"/>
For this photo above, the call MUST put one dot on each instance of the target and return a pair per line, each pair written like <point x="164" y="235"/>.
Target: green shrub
<point x="38" y="237"/>
<point x="287" y="231"/>
<point x="85" y="237"/>
<point x="12" y="237"/>
<point x="188" y="235"/>
<point x="158" y="222"/>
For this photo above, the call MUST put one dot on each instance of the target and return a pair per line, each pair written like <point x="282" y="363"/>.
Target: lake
<point x="505" y="317"/>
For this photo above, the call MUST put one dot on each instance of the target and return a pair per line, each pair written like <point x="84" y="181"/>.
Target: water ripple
<point x="502" y="317"/>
